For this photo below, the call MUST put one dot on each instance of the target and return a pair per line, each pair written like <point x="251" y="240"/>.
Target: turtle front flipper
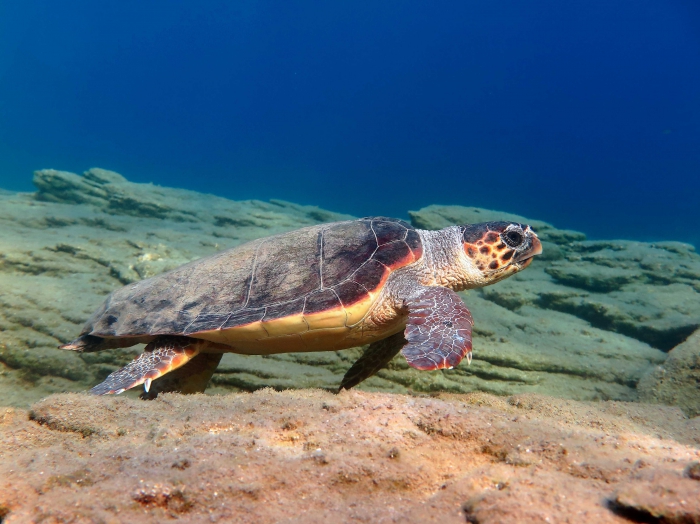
<point x="375" y="357"/>
<point x="438" y="330"/>
<point x="161" y="356"/>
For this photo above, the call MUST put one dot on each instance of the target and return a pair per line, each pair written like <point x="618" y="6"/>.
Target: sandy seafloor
<point x="581" y="404"/>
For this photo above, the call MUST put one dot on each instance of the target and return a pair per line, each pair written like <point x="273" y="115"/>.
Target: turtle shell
<point x="297" y="291"/>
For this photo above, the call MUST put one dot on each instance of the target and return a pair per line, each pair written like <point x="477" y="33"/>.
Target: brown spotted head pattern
<point x="500" y="249"/>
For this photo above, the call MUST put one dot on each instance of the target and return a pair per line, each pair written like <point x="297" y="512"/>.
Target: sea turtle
<point x="375" y="281"/>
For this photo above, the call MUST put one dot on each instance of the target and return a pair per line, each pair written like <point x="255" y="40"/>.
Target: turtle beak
<point x="524" y="259"/>
<point x="536" y="248"/>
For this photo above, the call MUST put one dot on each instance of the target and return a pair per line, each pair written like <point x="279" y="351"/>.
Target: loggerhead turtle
<point x="375" y="281"/>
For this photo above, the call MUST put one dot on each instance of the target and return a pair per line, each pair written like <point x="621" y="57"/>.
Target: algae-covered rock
<point x="585" y="321"/>
<point x="677" y="381"/>
<point x="647" y="291"/>
<point x="661" y="316"/>
<point x="650" y="292"/>
<point x="114" y="195"/>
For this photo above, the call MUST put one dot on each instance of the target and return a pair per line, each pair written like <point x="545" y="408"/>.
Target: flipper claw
<point x="161" y="356"/>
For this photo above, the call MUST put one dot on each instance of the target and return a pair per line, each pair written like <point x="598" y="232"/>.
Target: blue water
<point x="582" y="113"/>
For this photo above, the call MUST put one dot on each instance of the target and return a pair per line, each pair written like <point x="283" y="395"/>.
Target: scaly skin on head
<point x="477" y="255"/>
<point x="500" y="249"/>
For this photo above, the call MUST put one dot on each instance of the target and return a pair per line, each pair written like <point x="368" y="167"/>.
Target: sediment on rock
<point x="311" y="456"/>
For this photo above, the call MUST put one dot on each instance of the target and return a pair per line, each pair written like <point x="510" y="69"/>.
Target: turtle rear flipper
<point x="375" y="357"/>
<point x="161" y="356"/>
<point x="192" y="377"/>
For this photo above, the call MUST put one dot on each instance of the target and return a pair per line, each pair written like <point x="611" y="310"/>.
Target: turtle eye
<point x="513" y="238"/>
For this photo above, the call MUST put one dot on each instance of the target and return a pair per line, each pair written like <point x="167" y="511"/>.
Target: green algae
<point x="586" y="321"/>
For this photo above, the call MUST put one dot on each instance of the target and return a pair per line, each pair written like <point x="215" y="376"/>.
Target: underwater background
<point x="138" y="136"/>
<point x="161" y="132"/>
<point x="583" y="114"/>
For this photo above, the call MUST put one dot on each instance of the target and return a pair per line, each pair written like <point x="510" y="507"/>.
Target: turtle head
<point x="499" y="249"/>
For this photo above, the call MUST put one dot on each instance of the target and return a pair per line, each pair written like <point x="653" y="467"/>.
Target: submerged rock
<point x="677" y="381"/>
<point x="311" y="456"/>
<point x="113" y="194"/>
<point x="586" y="322"/>
<point x="647" y="291"/>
